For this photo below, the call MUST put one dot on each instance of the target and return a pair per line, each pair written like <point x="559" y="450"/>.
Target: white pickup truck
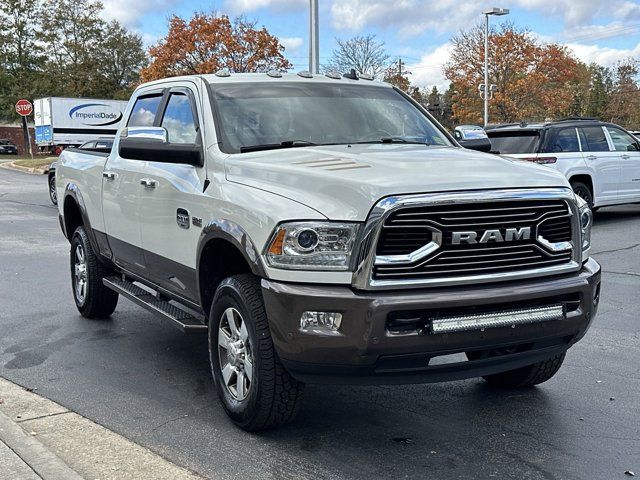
<point x="326" y="229"/>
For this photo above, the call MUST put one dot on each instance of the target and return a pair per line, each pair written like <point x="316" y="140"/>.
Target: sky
<point x="418" y="31"/>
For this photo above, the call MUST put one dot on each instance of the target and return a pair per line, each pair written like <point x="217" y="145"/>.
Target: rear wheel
<point x="583" y="191"/>
<point x="255" y="390"/>
<point x="527" y="376"/>
<point x="53" y="195"/>
<point x="92" y="298"/>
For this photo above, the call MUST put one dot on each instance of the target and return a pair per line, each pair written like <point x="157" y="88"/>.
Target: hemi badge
<point x="197" y="222"/>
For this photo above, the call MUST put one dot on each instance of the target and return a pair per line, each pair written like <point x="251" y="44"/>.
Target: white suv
<point x="601" y="160"/>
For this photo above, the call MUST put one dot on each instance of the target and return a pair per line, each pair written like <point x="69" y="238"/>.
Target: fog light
<point x="320" y="322"/>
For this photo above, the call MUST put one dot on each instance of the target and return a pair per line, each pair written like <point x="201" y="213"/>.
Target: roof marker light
<point x="223" y="73"/>
<point x="274" y="74"/>
<point x="333" y="74"/>
<point x="305" y="74"/>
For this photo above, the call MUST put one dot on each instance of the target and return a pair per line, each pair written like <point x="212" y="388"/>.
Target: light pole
<point x="314" y="50"/>
<point x="497" y="12"/>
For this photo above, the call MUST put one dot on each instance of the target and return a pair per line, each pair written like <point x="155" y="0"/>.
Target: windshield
<point x="296" y="114"/>
<point x="514" y="142"/>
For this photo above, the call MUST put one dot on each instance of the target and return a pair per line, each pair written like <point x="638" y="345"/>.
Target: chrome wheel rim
<point x="234" y="354"/>
<point x="80" y="275"/>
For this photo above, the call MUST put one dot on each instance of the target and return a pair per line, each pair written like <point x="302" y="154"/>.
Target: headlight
<point x="312" y="246"/>
<point x="586" y="221"/>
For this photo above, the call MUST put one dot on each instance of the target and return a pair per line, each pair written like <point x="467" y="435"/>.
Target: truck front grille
<point x="472" y="239"/>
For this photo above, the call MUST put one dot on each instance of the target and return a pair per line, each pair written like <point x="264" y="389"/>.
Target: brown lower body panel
<point x="369" y="349"/>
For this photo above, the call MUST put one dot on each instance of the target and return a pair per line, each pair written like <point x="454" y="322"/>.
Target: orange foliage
<point x="534" y="81"/>
<point x="208" y="43"/>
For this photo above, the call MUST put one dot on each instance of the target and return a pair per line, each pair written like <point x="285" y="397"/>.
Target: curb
<point x="38" y="457"/>
<point x="18" y="168"/>
<point x="87" y="449"/>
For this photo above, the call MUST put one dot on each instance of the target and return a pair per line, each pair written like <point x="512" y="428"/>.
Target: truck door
<point x="174" y="209"/>
<point x="122" y="191"/>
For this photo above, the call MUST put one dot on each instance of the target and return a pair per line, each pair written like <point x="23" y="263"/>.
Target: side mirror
<point x="151" y="144"/>
<point x="479" y="144"/>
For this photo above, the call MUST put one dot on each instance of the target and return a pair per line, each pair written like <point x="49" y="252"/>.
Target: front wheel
<point x="527" y="376"/>
<point x="255" y="390"/>
<point x="92" y="298"/>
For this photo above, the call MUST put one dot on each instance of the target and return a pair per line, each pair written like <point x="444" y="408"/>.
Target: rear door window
<point x="514" y="141"/>
<point x="562" y="141"/>
<point x="144" y="111"/>
<point x="595" y="139"/>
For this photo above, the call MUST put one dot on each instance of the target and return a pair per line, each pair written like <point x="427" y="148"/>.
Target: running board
<point x="182" y="319"/>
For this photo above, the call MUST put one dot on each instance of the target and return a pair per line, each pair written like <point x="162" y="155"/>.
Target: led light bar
<point x="497" y="319"/>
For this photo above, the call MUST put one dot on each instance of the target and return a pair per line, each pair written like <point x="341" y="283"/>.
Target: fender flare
<point x="233" y="233"/>
<point x="73" y="191"/>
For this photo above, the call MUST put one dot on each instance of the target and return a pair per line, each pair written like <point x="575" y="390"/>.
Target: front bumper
<point x="366" y="352"/>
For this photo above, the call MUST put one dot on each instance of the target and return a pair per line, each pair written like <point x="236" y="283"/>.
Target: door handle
<point x="148" y="182"/>
<point x="591" y="157"/>
<point x="625" y="157"/>
<point x="109" y="175"/>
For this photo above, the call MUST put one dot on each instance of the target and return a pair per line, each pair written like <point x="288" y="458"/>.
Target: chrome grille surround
<point x="364" y="279"/>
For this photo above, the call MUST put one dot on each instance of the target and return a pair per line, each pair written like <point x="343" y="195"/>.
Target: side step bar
<point x="182" y="319"/>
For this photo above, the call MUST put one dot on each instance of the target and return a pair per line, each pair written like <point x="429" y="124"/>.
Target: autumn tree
<point x="623" y="107"/>
<point x="534" y="81"/>
<point x="207" y="43"/>
<point x="364" y="54"/>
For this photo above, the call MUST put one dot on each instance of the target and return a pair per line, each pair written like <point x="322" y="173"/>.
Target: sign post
<point x="24" y="108"/>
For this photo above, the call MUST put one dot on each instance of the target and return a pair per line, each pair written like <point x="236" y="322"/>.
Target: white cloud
<point x="129" y="13"/>
<point x="428" y="71"/>
<point x="577" y="13"/>
<point x="244" y="6"/>
<point x="602" y="55"/>
<point x="409" y="17"/>
<point x="291" y="44"/>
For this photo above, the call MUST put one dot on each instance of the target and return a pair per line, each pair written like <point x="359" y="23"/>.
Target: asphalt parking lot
<point x="148" y="382"/>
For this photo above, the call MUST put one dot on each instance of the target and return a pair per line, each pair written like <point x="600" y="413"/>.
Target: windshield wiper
<point x="394" y="140"/>
<point x="274" y="146"/>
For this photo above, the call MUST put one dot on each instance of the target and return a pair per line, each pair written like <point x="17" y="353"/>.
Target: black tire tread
<point x="280" y="394"/>
<point x="576" y="185"/>
<point x="101" y="301"/>
<point x="528" y="376"/>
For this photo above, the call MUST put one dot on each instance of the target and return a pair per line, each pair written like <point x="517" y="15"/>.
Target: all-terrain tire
<point x="97" y="301"/>
<point x="527" y="376"/>
<point x="274" y="396"/>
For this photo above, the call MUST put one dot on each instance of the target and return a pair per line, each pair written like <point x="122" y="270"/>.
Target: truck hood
<point x="344" y="182"/>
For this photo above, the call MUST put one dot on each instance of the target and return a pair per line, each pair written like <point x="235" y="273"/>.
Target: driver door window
<point x="178" y="120"/>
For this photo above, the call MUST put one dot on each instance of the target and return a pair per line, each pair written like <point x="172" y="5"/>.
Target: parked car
<point x="323" y="229"/>
<point x="7" y="147"/>
<point x="600" y="160"/>
<point x="473" y="137"/>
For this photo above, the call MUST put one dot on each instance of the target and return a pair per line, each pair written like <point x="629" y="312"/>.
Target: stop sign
<point x="24" y="108"/>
